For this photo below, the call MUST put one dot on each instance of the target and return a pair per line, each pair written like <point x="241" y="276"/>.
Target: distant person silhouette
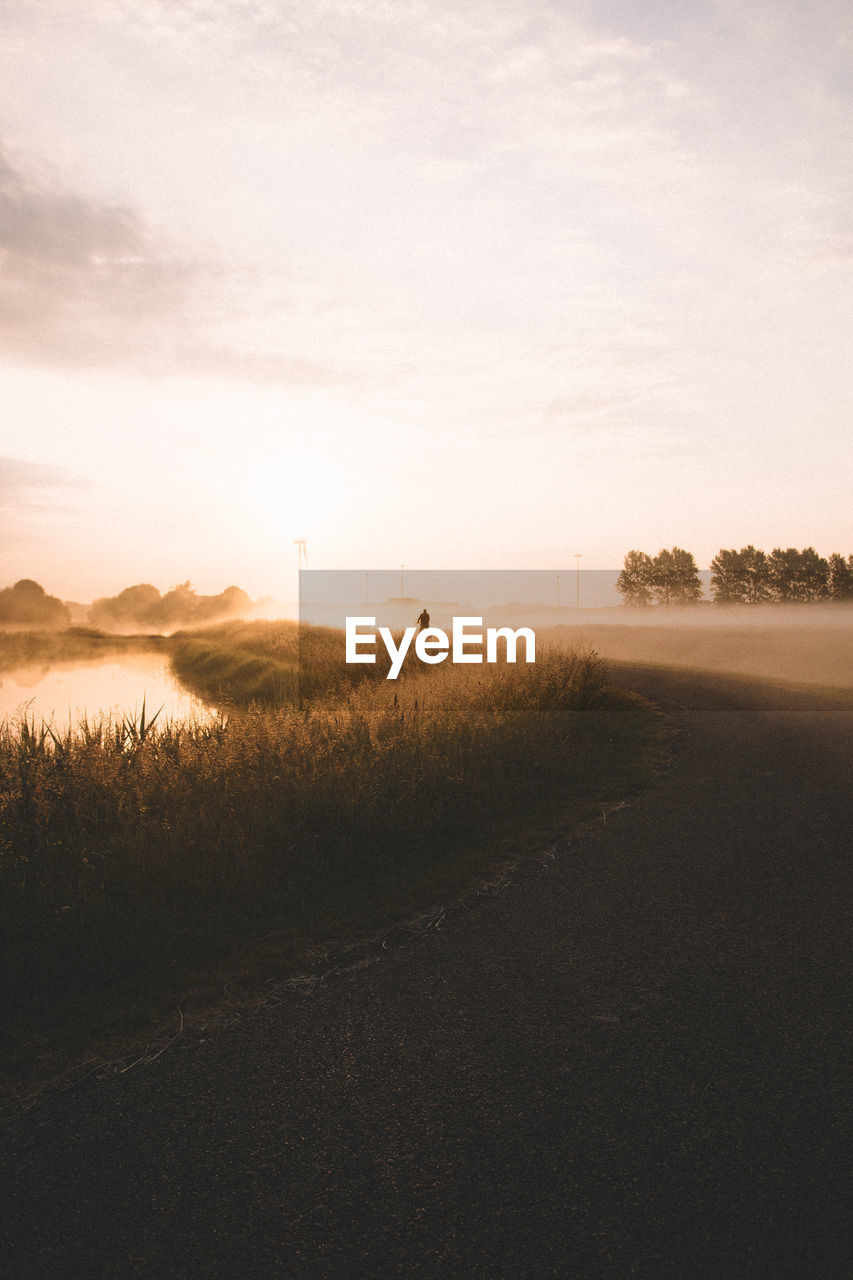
<point x="423" y="620"/>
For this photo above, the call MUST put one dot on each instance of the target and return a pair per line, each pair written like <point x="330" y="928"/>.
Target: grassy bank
<point x="271" y="664"/>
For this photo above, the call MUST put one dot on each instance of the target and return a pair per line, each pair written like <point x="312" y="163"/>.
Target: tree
<point x="27" y="604"/>
<point x="634" y="583"/>
<point x="130" y="608"/>
<point x="178" y="608"/>
<point x="675" y="577"/>
<point x="728" y="578"/>
<point x="839" y="585"/>
<point x="142" y="607"/>
<point x="797" y="576"/>
<point x="813" y="576"/>
<point x="740" y="577"/>
<point x="232" y="602"/>
<point x="757" y="578"/>
<point x="782" y="573"/>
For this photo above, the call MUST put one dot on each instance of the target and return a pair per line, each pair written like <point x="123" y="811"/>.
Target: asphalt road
<point x="630" y="1062"/>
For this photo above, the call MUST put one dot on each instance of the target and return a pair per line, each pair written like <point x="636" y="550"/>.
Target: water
<point x="62" y="693"/>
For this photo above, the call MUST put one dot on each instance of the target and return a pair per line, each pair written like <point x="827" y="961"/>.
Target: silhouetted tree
<point x="740" y="577"/>
<point x="675" y="577"/>
<point x="130" y="608"/>
<point x="634" y="583"/>
<point x="231" y="603"/>
<point x="727" y="577"/>
<point x="839" y="584"/>
<point x="814" y="575"/>
<point x="27" y="604"/>
<point x="797" y="576"/>
<point x="142" y="607"/>
<point x="757" y="575"/>
<point x="178" y="608"/>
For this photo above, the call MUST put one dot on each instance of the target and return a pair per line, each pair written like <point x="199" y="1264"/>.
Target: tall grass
<point x="272" y="664"/>
<point x="134" y="848"/>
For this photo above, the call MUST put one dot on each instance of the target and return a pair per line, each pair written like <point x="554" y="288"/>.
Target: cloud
<point x="89" y="284"/>
<point x="264" y="369"/>
<point x="402" y="177"/>
<point x="82" y="282"/>
<point x="19" y="477"/>
<point x="29" y="491"/>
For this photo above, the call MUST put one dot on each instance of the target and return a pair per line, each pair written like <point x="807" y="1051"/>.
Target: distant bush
<point x="143" y="608"/>
<point x="28" y="605"/>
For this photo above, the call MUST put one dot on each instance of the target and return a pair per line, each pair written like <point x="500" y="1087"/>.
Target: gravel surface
<point x="630" y="1062"/>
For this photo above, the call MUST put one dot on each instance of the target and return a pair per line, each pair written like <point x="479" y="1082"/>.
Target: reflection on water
<point x="64" y="692"/>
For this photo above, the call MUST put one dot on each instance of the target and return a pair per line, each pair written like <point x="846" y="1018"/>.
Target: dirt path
<point x="629" y="1063"/>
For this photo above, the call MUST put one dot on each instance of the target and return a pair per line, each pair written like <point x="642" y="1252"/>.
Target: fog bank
<point x="810" y="645"/>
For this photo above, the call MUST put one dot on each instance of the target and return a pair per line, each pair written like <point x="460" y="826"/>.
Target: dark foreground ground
<point x="630" y="1062"/>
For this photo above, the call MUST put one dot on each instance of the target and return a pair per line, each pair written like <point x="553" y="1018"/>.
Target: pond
<point x="62" y="693"/>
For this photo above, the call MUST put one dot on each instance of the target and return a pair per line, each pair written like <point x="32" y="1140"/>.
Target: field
<point x="810" y="645"/>
<point x="135" y="857"/>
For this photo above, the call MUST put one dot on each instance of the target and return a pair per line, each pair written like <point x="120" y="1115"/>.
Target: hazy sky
<point x="465" y="285"/>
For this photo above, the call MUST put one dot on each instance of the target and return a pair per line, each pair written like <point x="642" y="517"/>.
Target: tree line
<point x="747" y="576"/>
<point x="143" y="606"/>
<point x="27" y="604"/>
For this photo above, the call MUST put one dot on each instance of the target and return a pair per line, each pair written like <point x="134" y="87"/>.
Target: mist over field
<point x="807" y="644"/>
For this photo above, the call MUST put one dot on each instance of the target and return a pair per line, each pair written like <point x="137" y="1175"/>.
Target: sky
<point x="458" y="285"/>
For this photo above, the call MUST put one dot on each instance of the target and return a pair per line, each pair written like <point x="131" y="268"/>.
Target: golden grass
<point x="272" y="664"/>
<point x="136" y="853"/>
